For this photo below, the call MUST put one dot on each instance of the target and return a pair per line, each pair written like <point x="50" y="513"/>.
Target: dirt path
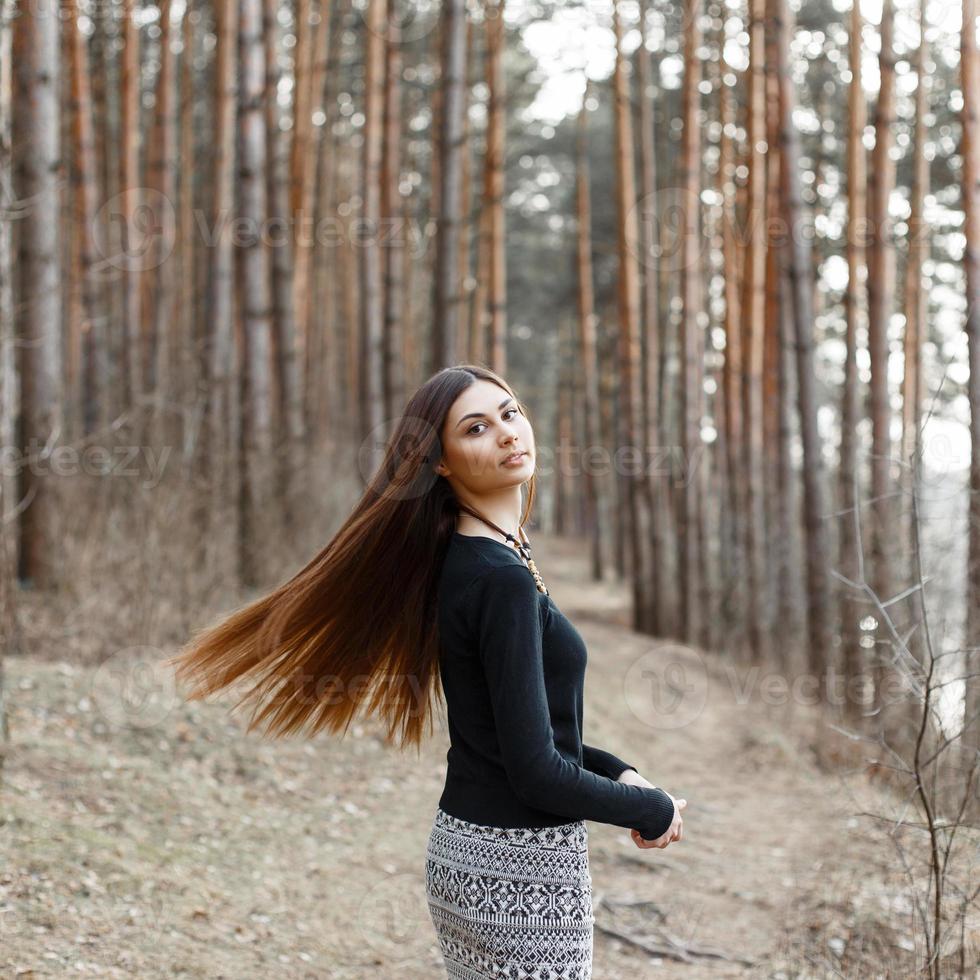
<point x="144" y="837"/>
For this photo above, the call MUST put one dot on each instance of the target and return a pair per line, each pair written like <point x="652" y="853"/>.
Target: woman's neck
<point x="504" y="516"/>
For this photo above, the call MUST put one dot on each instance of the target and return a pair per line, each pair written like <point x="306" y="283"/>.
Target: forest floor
<point x="142" y="836"/>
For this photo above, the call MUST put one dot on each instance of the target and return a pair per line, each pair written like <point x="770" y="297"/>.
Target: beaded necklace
<point x="523" y="546"/>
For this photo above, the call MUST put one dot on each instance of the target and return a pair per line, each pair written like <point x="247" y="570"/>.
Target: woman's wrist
<point x="632" y="777"/>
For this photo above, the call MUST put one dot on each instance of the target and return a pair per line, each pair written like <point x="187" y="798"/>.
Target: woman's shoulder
<point x="476" y="569"/>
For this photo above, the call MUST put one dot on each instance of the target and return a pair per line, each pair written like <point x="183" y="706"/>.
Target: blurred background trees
<point x="728" y="254"/>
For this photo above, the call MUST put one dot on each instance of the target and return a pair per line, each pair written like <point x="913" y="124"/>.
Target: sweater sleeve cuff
<point x="659" y="817"/>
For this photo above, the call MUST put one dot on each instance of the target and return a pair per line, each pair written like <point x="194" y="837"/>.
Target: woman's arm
<point x="603" y="763"/>
<point x="508" y="627"/>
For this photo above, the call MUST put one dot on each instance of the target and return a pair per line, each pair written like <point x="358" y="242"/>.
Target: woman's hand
<point x="676" y="829"/>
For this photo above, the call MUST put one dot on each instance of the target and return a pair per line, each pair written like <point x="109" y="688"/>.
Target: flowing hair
<point x="359" y="622"/>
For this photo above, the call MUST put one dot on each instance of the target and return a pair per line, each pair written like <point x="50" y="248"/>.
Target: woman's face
<point x="483" y="427"/>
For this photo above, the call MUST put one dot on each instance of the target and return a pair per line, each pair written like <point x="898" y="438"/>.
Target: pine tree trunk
<point x="587" y="340"/>
<point x="132" y="186"/>
<point x="638" y="523"/>
<point x="881" y="290"/>
<point x="970" y="150"/>
<point x="187" y="316"/>
<point x="463" y="322"/>
<point x="90" y="404"/>
<point x="37" y="177"/>
<point x="733" y="548"/>
<point x="915" y="319"/>
<point x="800" y="268"/>
<point x="562" y="519"/>
<point x="326" y="401"/>
<point x="309" y="142"/>
<point x="782" y="526"/>
<point x="11" y="639"/>
<point x="753" y="334"/>
<point x="656" y="615"/>
<point x="394" y="233"/>
<point x="160" y="279"/>
<point x="494" y="192"/>
<point x="217" y="436"/>
<point x="372" y="309"/>
<point x="852" y="656"/>
<point x="446" y="286"/>
<point x="257" y="293"/>
<point x="692" y="384"/>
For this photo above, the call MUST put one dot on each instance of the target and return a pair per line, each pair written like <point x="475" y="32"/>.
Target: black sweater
<point x="513" y="673"/>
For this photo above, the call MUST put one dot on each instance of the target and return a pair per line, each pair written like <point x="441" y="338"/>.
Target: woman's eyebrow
<point x="480" y="414"/>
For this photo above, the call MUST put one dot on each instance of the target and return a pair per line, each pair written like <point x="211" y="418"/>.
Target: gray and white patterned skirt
<point x="510" y="902"/>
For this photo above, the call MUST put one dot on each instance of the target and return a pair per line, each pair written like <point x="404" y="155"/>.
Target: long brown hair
<point x="358" y="623"/>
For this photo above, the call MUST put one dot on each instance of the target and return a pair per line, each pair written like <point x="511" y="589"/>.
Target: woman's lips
<point x="515" y="460"/>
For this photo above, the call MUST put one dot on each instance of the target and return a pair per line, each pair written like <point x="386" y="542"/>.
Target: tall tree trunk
<point x="792" y="610"/>
<point x="372" y="309"/>
<point x="771" y="362"/>
<point x="466" y="283"/>
<point x="479" y="321"/>
<point x="781" y="530"/>
<point x="671" y="241"/>
<point x="217" y="444"/>
<point x="195" y="282"/>
<point x="611" y="412"/>
<point x="733" y="549"/>
<point x="692" y="384"/>
<point x="303" y="93"/>
<point x="494" y="191"/>
<point x="161" y="178"/>
<point x="753" y="334"/>
<point x="881" y="290"/>
<point x="638" y="535"/>
<point x="392" y="210"/>
<point x="90" y="397"/>
<point x="187" y="317"/>
<point x="309" y="99"/>
<point x="800" y="268"/>
<point x="105" y="57"/>
<point x="299" y="157"/>
<point x="476" y="309"/>
<point x="656" y="613"/>
<point x="446" y="285"/>
<point x="288" y="406"/>
<point x="970" y="150"/>
<point x="132" y="192"/>
<point x="412" y="346"/>
<point x="323" y="365"/>
<point x="11" y="638"/>
<point x="257" y="293"/>
<point x="350" y="296"/>
<point x="282" y="248"/>
<point x="37" y="177"/>
<point x="587" y="337"/>
<point x="915" y="320"/>
<point x="563" y="519"/>
<point x="852" y="658"/>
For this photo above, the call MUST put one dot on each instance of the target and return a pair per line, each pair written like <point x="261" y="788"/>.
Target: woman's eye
<point x="475" y="424"/>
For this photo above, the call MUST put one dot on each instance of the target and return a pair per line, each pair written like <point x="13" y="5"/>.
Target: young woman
<point x="429" y="583"/>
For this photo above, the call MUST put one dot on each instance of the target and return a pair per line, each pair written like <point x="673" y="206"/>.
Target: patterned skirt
<point x="513" y="903"/>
